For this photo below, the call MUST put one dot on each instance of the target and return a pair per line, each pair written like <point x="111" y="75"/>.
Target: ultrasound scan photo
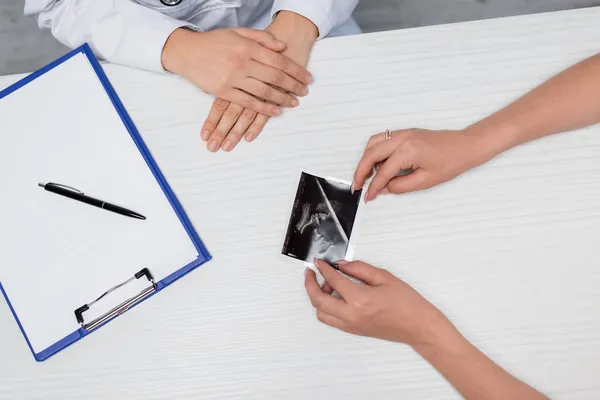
<point x="322" y="219"/>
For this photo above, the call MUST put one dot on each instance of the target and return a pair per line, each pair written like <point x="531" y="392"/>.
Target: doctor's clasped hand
<point x="239" y="65"/>
<point x="251" y="72"/>
<point x="227" y="122"/>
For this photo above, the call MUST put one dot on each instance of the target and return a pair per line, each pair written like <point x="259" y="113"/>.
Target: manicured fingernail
<point x="306" y="272"/>
<point x="352" y="187"/>
<point x="295" y="102"/>
<point x="316" y="262"/>
<point x="279" y="43"/>
<point x="341" y="262"/>
<point x="366" y="198"/>
<point x="308" y="79"/>
<point x="213" y="146"/>
<point x="304" y="91"/>
<point x="277" y="111"/>
<point x="385" y="191"/>
<point x="227" y="146"/>
<point x="205" y="134"/>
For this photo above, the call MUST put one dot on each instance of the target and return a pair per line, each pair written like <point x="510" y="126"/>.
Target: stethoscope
<point x="171" y="2"/>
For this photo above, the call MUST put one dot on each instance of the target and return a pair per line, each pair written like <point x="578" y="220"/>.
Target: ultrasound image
<point x="322" y="220"/>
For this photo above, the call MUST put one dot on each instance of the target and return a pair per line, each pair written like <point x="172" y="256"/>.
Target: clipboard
<point x="133" y="284"/>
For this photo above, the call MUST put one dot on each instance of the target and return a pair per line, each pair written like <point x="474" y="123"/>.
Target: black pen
<point x="75" y="194"/>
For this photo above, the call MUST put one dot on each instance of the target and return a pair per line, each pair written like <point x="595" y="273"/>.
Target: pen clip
<point x="66" y="187"/>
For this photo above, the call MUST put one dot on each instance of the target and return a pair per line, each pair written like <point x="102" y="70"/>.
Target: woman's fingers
<point x="378" y="138"/>
<point x="238" y="130"/>
<point x="218" y="108"/>
<point x="269" y="93"/>
<point x="326" y="288"/>
<point x="367" y="273"/>
<point x="414" y="181"/>
<point x="374" y="145"/>
<point x="321" y="301"/>
<point x="377" y="153"/>
<point x="338" y="282"/>
<point x="257" y="126"/>
<point x="387" y="171"/>
<point x="277" y="78"/>
<point x="332" y="321"/>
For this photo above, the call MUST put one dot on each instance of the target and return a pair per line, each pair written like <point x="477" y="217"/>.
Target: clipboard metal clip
<point x="121" y="308"/>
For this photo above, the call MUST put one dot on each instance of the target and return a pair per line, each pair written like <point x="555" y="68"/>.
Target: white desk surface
<point x="510" y="251"/>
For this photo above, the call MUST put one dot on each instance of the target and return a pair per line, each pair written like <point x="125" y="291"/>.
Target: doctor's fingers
<point x="257" y="126"/>
<point x="266" y="92"/>
<point x="239" y="129"/>
<point x="246" y="100"/>
<point x="229" y="118"/>
<point x="263" y="38"/>
<point x="282" y="63"/>
<point x="218" y="108"/>
<point x="277" y="78"/>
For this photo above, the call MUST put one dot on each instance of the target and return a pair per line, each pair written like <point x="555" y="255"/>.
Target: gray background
<point x="24" y="48"/>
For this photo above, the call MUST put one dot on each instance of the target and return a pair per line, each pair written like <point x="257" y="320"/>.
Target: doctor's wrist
<point x="293" y="28"/>
<point x="174" y="49"/>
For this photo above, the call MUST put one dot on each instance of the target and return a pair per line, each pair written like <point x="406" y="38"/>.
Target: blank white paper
<point x="59" y="254"/>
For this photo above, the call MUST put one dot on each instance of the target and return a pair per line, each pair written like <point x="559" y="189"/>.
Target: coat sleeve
<point x="119" y="31"/>
<point x="325" y="14"/>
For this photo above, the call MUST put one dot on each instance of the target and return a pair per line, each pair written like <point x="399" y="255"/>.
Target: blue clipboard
<point x="203" y="255"/>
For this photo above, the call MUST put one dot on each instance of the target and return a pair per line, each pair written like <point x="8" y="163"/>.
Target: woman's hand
<point x="238" y="65"/>
<point x="228" y="122"/>
<point x="387" y="308"/>
<point x="384" y="308"/>
<point x="433" y="156"/>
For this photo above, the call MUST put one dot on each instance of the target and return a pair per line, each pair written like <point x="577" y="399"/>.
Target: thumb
<point x="408" y="183"/>
<point x="388" y="171"/>
<point x="367" y="273"/>
<point x="263" y="38"/>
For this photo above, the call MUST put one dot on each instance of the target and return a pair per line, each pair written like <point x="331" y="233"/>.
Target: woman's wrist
<point x="445" y="341"/>
<point x="488" y="139"/>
